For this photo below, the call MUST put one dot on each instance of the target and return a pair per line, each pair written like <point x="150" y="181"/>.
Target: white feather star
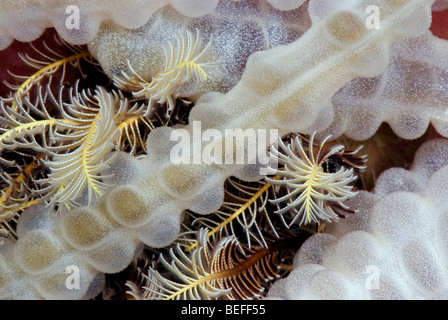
<point x="311" y="191"/>
<point x="183" y="60"/>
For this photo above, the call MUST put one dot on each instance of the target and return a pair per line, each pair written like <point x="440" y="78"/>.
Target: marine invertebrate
<point x="220" y="267"/>
<point x="26" y="25"/>
<point x="254" y="26"/>
<point x="236" y="258"/>
<point x="76" y="141"/>
<point x="409" y="95"/>
<point x="182" y="61"/>
<point x="244" y="211"/>
<point x="72" y="172"/>
<point x="27" y="21"/>
<point x="70" y="133"/>
<point x="35" y="124"/>
<point x="372" y="255"/>
<point x="279" y="89"/>
<point x="315" y="193"/>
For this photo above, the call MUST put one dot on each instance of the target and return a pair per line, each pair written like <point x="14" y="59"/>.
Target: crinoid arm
<point x="81" y="168"/>
<point x="245" y="211"/>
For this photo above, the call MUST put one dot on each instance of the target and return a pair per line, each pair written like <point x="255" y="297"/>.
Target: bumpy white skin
<point x="25" y="20"/>
<point x="394" y="248"/>
<point x="236" y="29"/>
<point x="409" y="95"/>
<point x="284" y="88"/>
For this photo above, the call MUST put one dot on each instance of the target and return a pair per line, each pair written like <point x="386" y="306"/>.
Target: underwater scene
<point x="224" y="150"/>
